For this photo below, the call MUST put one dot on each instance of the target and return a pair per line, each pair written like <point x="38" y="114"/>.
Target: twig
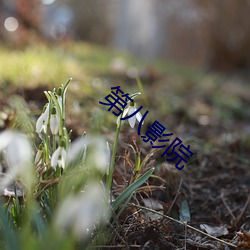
<point x="227" y="207"/>
<point x="185" y="243"/>
<point x="117" y="246"/>
<point x="237" y="220"/>
<point x="173" y="202"/>
<point x="183" y="223"/>
<point x="48" y="185"/>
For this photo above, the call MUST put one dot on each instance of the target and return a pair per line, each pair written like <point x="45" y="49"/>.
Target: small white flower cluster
<point x="62" y="153"/>
<point x="80" y="213"/>
<point x="50" y="116"/>
<point x="51" y="122"/>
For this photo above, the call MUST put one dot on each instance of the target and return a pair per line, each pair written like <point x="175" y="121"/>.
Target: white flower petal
<point x="46" y="112"/>
<point x="63" y="158"/>
<point x="132" y="120"/>
<point x="38" y="156"/>
<point x="39" y="123"/>
<point x="79" y="214"/>
<point x="54" y="124"/>
<point x="59" y="99"/>
<point x="18" y="155"/>
<point x="44" y="127"/>
<point x="101" y="154"/>
<point x="131" y="110"/>
<point x="125" y="111"/>
<point x="123" y="114"/>
<point x="139" y="117"/>
<point x="5" y="139"/>
<point x="77" y="148"/>
<point x="55" y="156"/>
<point x="61" y="163"/>
<point x="59" y="158"/>
<point x="64" y="154"/>
<point x="19" y="151"/>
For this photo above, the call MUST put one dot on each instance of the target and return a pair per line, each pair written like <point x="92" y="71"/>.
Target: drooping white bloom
<point x="39" y="154"/>
<point x="42" y="122"/>
<point x="79" y="214"/>
<point x="130" y="110"/>
<point x="54" y="121"/>
<point x="17" y="152"/>
<point x="59" y="157"/>
<point x="98" y="152"/>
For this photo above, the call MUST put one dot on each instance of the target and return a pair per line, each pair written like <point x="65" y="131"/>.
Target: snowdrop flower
<point x="17" y="152"/>
<point x="59" y="157"/>
<point x="59" y="97"/>
<point x="42" y="122"/>
<point x="130" y="110"/>
<point x="98" y="152"/>
<point x="39" y="154"/>
<point x="79" y="214"/>
<point x="54" y="121"/>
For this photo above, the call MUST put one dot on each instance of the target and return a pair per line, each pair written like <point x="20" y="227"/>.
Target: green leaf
<point x="138" y="163"/>
<point x="122" y="209"/>
<point x="185" y="212"/>
<point x="133" y="96"/>
<point x="65" y="87"/>
<point x="129" y="190"/>
<point x="39" y="222"/>
<point x="10" y="236"/>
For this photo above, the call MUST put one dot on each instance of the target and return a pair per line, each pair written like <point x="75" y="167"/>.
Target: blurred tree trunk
<point x="29" y="14"/>
<point x="92" y="21"/>
<point x="229" y="35"/>
<point x="29" y="17"/>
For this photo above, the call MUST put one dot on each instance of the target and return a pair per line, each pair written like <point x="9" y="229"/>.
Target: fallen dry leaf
<point x="245" y="236"/>
<point x="214" y="230"/>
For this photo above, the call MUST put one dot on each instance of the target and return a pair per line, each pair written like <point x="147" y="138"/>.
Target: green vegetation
<point x="66" y="189"/>
<point x="90" y="191"/>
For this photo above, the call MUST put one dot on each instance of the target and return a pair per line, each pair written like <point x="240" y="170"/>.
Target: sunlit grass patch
<point x="37" y="65"/>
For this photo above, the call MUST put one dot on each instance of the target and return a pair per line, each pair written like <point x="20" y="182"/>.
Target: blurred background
<point x="212" y="34"/>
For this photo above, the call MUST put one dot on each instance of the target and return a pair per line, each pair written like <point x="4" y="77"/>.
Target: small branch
<point x="227" y="207"/>
<point x="173" y="202"/>
<point x="57" y="180"/>
<point x="184" y="224"/>
<point x="239" y="217"/>
<point x="117" y="246"/>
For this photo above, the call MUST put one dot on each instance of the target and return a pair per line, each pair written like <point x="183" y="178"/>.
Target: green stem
<point x="54" y="142"/>
<point x="65" y="87"/>
<point x="112" y="164"/>
<point x="141" y="89"/>
<point x="59" y="111"/>
<point x="47" y="141"/>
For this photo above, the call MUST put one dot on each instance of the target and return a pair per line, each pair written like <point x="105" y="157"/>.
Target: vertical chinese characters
<point x="126" y="107"/>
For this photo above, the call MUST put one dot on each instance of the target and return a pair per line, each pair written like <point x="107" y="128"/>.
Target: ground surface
<point x="208" y="111"/>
